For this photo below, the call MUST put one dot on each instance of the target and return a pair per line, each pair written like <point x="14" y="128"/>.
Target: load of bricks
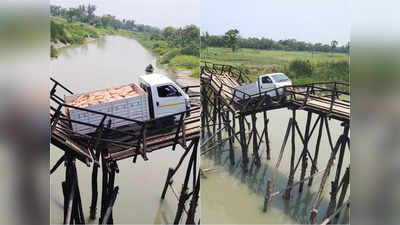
<point x="104" y="96"/>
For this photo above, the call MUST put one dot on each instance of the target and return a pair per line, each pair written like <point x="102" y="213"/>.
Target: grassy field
<point x="301" y="67"/>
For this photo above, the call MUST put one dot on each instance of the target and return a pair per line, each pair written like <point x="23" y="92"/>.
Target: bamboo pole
<point x="275" y="174"/>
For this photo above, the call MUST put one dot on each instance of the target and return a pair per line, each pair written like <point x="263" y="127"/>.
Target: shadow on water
<point x="297" y="208"/>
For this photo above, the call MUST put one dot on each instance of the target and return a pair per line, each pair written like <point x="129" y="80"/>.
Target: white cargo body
<point x="264" y="83"/>
<point x="133" y="106"/>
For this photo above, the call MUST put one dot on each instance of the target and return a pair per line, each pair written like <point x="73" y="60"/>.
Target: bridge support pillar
<point x="335" y="183"/>
<point x="292" y="157"/>
<point x="255" y="139"/>
<point x="314" y="167"/>
<point x="305" y="151"/>
<point x="268" y="149"/>
<point x="231" y="139"/>
<point x="184" y="196"/>
<point x="243" y="142"/>
<point x="109" y="192"/>
<point x="220" y="111"/>
<point x="344" y="184"/>
<point x="73" y="212"/>
<point x="340" y="144"/>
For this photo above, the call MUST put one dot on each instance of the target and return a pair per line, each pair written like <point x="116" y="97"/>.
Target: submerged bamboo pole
<point x="292" y="158"/>
<point x="270" y="186"/>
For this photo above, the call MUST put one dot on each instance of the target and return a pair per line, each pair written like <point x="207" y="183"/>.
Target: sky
<point x="305" y="20"/>
<point x="158" y="13"/>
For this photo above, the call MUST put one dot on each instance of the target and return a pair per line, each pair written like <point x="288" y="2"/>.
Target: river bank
<point x="59" y="45"/>
<point x="168" y="58"/>
<point x="184" y="67"/>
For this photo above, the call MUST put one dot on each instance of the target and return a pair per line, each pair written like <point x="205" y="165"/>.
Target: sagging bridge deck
<point x="106" y="146"/>
<point x="222" y="79"/>
<point x="223" y="105"/>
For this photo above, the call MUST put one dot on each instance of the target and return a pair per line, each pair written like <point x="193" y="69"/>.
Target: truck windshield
<point x="280" y="77"/>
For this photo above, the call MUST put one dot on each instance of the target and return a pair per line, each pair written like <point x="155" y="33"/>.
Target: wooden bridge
<point x="109" y="145"/>
<point x="223" y="105"/>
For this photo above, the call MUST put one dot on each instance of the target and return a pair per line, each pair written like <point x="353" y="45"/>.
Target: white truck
<point x="156" y="96"/>
<point x="264" y="83"/>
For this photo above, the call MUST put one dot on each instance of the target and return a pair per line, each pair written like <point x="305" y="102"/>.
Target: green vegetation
<point x="231" y="38"/>
<point x="53" y="52"/>
<point x="173" y="47"/>
<point x="75" y="32"/>
<point x="301" y="66"/>
<point x="268" y="44"/>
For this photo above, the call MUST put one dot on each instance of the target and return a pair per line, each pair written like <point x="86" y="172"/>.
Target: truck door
<point x="168" y="100"/>
<point x="266" y="83"/>
<point x="147" y="89"/>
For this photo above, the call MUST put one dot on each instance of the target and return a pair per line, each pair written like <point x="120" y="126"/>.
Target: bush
<point x="245" y="69"/>
<point x="301" y="68"/>
<point x="186" y="61"/>
<point x="53" y="52"/>
<point x="169" y="55"/>
<point x="161" y="47"/>
<point x="73" y="33"/>
<point x="191" y="50"/>
<point x="196" y="72"/>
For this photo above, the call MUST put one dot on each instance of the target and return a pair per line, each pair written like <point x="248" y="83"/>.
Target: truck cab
<point x="165" y="97"/>
<point x="273" y="80"/>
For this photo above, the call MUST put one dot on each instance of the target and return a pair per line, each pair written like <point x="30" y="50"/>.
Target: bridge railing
<point x="329" y="92"/>
<point x="220" y="86"/>
<point x="140" y="133"/>
<point x="232" y="71"/>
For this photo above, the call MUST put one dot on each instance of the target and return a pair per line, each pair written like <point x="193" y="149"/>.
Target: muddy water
<point x="107" y="62"/>
<point x="228" y="195"/>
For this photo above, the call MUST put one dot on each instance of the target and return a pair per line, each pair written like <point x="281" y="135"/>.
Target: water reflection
<point x="242" y="193"/>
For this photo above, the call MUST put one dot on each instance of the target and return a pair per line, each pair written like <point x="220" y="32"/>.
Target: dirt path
<point x="183" y="78"/>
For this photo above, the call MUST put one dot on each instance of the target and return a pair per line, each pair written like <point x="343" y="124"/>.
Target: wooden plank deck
<point x="223" y="84"/>
<point x="227" y="83"/>
<point x="124" y="146"/>
<point x="339" y="107"/>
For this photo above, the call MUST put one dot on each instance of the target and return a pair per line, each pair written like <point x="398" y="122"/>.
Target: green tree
<point x="231" y="38"/>
<point x="334" y="43"/>
<point x="90" y="13"/>
<point x="169" y="32"/>
<point x="106" y="20"/>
